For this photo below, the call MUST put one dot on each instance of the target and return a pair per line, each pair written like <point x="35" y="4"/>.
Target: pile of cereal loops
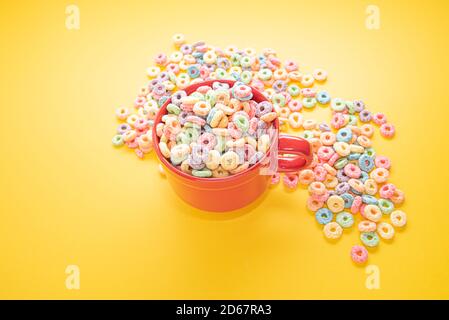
<point x="346" y="177"/>
<point x="215" y="131"/>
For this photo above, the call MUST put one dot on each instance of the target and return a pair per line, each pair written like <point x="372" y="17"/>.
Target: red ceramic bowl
<point x="239" y="190"/>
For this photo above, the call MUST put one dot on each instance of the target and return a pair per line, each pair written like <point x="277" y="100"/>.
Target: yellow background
<point x="68" y="197"/>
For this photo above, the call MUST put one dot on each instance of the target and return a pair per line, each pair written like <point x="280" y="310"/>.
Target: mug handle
<point x="293" y="146"/>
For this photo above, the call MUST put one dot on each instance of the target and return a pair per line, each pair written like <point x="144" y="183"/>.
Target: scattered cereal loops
<point x="346" y="173"/>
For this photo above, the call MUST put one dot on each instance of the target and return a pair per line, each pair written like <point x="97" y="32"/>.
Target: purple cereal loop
<point x="177" y="96"/>
<point x="159" y="89"/>
<point x="163" y="76"/>
<point x="210" y="67"/>
<point x="358" y="105"/>
<point x="182" y="117"/>
<point x="263" y="107"/>
<point x="121" y="129"/>
<point x="207" y="140"/>
<point x="365" y="116"/>
<point x="342" y="187"/>
<point x="279" y="86"/>
<point x="324" y="127"/>
<point x="223" y="63"/>
<point x="186" y="49"/>
<point x="198" y="155"/>
<point x="341" y="176"/>
<point x="220" y="85"/>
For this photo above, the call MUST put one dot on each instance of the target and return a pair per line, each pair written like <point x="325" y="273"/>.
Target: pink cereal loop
<point x="290" y="180"/>
<point x="359" y="254"/>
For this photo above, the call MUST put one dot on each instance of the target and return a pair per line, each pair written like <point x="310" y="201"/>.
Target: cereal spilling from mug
<point x="346" y="178"/>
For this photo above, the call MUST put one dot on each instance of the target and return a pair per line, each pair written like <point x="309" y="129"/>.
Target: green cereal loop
<point x="265" y="74"/>
<point x="204" y="173"/>
<point x="220" y="73"/>
<point x="350" y="107"/>
<point x="192" y="133"/>
<point x="172" y="76"/>
<point x="308" y="102"/>
<point x="235" y="59"/>
<point x="370" y="152"/>
<point x="278" y="99"/>
<point x="293" y="90"/>
<point x="210" y="97"/>
<point x="198" y="95"/>
<point x="173" y="109"/>
<point x="386" y="206"/>
<point x="340" y="163"/>
<point x="192" y="125"/>
<point x="183" y="138"/>
<point x="307" y="134"/>
<point x="234" y="76"/>
<point x="245" y="62"/>
<point x="338" y="104"/>
<point x="241" y="122"/>
<point x="369" y="239"/>
<point x="246" y="77"/>
<point x="345" y="220"/>
<point x="352" y="120"/>
<point x="184" y="76"/>
<point x="221" y="144"/>
<point x="224" y="92"/>
<point x="117" y="140"/>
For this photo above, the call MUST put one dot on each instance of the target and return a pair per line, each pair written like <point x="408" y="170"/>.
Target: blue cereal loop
<point x="323" y="97"/>
<point x="348" y="199"/>
<point x="324" y="216"/>
<point x="364" y="176"/>
<point x="344" y="135"/>
<point x="193" y="71"/>
<point x="354" y="156"/>
<point x="369" y="199"/>
<point x="366" y="163"/>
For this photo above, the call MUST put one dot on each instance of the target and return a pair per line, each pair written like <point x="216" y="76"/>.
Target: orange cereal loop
<point x="313" y="204"/>
<point x="331" y="181"/>
<point x="385" y="230"/>
<point x="295" y="120"/>
<point x="398" y="218"/>
<point x="367" y="226"/>
<point x="284" y="112"/>
<point x="367" y="130"/>
<point x="397" y="197"/>
<point x="309" y="124"/>
<point x="317" y="188"/>
<point x="333" y="230"/>
<point x="364" y="141"/>
<point x="372" y="212"/>
<point x="306" y="176"/>
<point x="327" y="138"/>
<point x="380" y="175"/>
<point x="315" y="144"/>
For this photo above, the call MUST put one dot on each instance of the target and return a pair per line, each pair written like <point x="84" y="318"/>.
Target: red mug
<point x="239" y="190"/>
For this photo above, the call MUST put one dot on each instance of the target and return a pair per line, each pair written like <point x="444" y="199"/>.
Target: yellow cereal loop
<point x="372" y="212"/>
<point x="332" y="230"/>
<point x="335" y="203"/>
<point x="229" y="160"/>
